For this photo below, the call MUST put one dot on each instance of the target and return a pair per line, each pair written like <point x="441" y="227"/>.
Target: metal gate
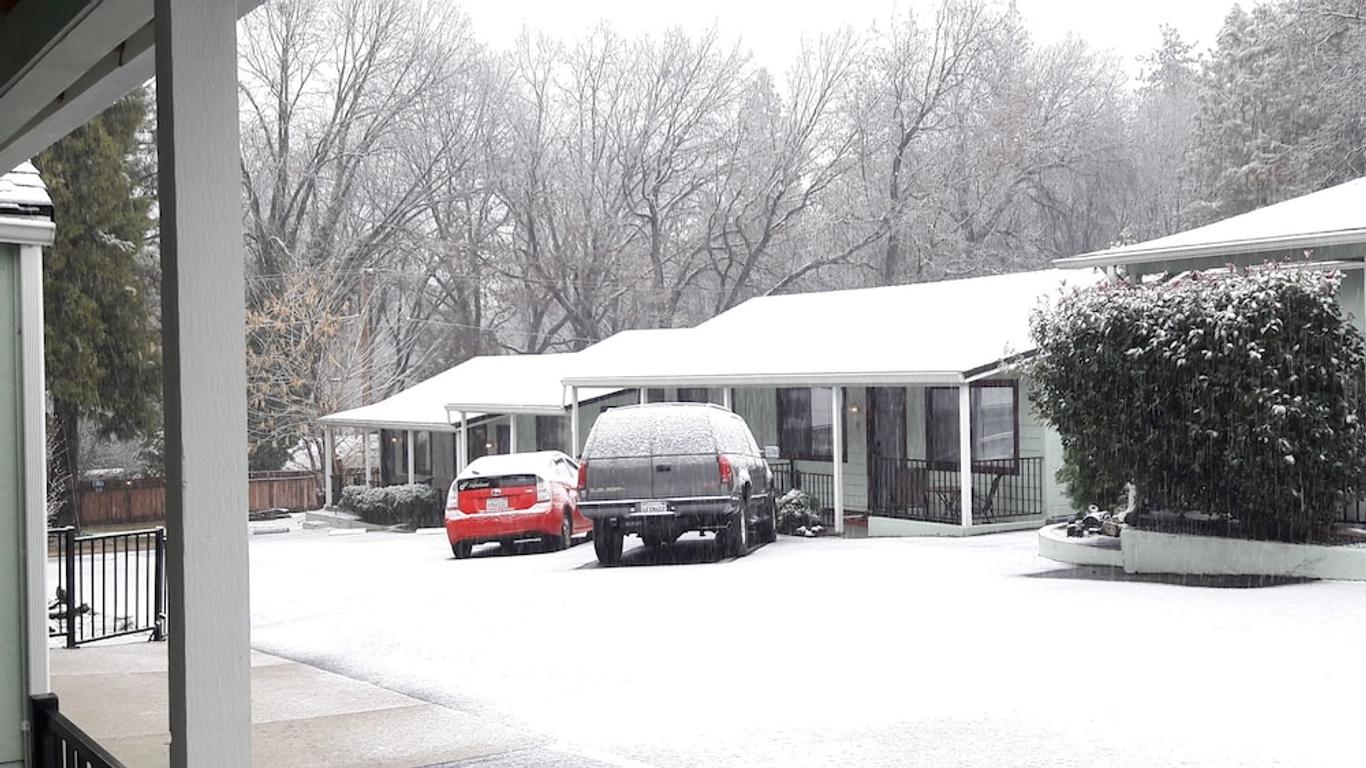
<point x="108" y="585"/>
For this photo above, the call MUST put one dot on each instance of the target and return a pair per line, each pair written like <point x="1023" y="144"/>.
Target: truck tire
<point x="607" y="542"/>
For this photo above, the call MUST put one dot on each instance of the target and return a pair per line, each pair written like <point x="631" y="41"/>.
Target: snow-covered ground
<point x="853" y="652"/>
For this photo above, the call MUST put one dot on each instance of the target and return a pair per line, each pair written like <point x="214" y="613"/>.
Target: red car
<point x="515" y="496"/>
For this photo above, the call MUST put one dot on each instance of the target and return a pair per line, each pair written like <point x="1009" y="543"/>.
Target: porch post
<point x="726" y="399"/>
<point x="463" y="449"/>
<point x="512" y="433"/>
<point x="644" y="395"/>
<point x="204" y="384"/>
<point x="837" y="453"/>
<point x="365" y="438"/>
<point x="329" y="450"/>
<point x="412" y="455"/>
<point x="965" y="453"/>
<point x="34" y="472"/>
<point x="574" y="422"/>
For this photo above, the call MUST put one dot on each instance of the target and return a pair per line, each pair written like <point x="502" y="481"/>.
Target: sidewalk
<point x="300" y="714"/>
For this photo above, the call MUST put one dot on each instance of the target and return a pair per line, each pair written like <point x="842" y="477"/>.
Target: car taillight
<point x="542" y="489"/>
<point x="723" y="464"/>
<point x="583" y="475"/>
<point x="453" y="504"/>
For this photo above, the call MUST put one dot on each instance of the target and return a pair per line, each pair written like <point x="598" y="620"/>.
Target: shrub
<point x="799" y="514"/>
<point x="1234" y="395"/>
<point x="413" y="505"/>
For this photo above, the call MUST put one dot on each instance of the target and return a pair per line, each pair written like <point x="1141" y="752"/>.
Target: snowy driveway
<point x="886" y="652"/>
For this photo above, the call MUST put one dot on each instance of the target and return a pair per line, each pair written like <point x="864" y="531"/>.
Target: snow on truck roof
<point x="1332" y="216"/>
<point x="924" y="332"/>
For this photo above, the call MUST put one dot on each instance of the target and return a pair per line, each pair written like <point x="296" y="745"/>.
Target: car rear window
<point x="733" y="434"/>
<point x="496" y="481"/>
<point x="662" y="431"/>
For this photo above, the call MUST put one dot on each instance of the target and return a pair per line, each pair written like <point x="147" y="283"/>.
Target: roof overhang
<point x="1129" y="255"/>
<point x="27" y="230"/>
<point x="794" y="379"/>
<point x="62" y="62"/>
<point x="373" y="425"/>
<point x="505" y="409"/>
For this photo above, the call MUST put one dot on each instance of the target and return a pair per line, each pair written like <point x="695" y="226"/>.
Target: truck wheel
<point x="461" y="549"/>
<point x="737" y="535"/>
<point x="768" y="527"/>
<point x="607" y="541"/>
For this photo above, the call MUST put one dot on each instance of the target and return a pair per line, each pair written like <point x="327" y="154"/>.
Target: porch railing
<point x="916" y="489"/>
<point x="59" y="743"/>
<point x="108" y="585"/>
<point x="788" y="476"/>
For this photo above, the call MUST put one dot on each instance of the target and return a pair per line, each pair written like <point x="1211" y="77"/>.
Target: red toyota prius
<point x="515" y="496"/>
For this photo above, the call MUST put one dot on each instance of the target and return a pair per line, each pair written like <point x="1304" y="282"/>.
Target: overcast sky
<point x="773" y="30"/>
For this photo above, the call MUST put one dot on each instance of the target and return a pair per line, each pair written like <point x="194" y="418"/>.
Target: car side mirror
<point x="772" y="453"/>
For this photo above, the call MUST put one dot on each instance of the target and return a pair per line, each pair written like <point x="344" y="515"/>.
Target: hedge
<point x="1236" y="395"/>
<point x="413" y="505"/>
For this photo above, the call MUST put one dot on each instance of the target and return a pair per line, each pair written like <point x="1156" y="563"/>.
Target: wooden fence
<point x="143" y="500"/>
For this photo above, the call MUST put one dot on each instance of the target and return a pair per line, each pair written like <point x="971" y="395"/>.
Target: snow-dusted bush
<point x="1237" y="395"/>
<point x="391" y="505"/>
<point x="799" y="514"/>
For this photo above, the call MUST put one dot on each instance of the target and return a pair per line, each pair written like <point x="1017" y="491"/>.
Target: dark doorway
<point x="886" y="443"/>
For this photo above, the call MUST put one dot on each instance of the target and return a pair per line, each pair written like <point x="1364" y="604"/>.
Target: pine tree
<point x="102" y="350"/>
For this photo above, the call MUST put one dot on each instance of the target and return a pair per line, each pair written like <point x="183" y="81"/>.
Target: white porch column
<point x="329" y="451"/>
<point x="412" y="455"/>
<point x="464" y="447"/>
<point x="512" y="433"/>
<point x="644" y="395"/>
<point x="837" y="453"/>
<point x="574" y="422"/>
<point x="203" y="346"/>
<point x="727" y="399"/>
<point x="35" y="463"/>
<point x="965" y="453"/>
<point x="365" y="438"/>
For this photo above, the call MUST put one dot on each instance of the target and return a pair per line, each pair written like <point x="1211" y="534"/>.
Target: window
<point x="995" y="421"/>
<point x="656" y="395"/>
<point x="694" y="395"/>
<point x="805" y="429"/>
<point x="488" y="439"/>
<point x="552" y="433"/>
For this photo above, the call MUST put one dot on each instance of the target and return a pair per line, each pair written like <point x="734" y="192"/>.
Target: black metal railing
<point x="916" y="489"/>
<point x="108" y="585"/>
<point x="788" y="476"/>
<point x="59" y="743"/>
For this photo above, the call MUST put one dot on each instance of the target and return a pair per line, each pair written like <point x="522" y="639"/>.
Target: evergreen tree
<point x="102" y="349"/>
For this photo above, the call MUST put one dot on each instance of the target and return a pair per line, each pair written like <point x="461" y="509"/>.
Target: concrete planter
<point x="1171" y="553"/>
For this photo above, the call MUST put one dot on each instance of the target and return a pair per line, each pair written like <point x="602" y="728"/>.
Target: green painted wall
<point x="12" y="648"/>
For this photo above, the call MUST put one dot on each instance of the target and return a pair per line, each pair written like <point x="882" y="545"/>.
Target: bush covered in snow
<point x="413" y="505"/>
<point x="1237" y="395"/>
<point x="799" y="514"/>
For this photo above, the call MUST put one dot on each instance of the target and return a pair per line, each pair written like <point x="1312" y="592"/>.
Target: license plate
<point x="654" y="508"/>
<point x="496" y="505"/>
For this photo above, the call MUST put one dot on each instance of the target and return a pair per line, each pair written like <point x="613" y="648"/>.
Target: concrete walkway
<point x="300" y="715"/>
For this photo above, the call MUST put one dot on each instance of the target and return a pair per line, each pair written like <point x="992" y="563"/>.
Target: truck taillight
<point x="583" y="475"/>
<point x="723" y="464"/>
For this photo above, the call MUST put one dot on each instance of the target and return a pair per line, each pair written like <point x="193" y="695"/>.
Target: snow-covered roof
<point x="22" y="190"/>
<point x="480" y="386"/>
<point x="1333" y="216"/>
<point x="926" y="332"/>
<point x="513" y="384"/>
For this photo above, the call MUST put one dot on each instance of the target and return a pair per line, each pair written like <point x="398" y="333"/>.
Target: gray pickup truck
<point x="662" y="469"/>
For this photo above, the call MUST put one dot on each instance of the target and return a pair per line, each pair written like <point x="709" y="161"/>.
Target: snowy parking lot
<point x="841" y="652"/>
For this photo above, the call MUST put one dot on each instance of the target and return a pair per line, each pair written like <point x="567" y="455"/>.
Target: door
<point x="886" y="411"/>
